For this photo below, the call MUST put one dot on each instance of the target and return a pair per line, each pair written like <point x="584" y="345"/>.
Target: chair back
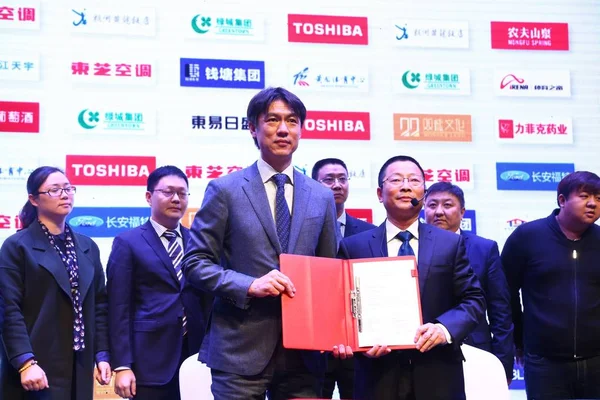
<point x="484" y="375"/>
<point x="195" y="380"/>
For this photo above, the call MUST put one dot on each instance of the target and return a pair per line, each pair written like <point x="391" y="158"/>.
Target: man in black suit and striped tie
<point x="156" y="321"/>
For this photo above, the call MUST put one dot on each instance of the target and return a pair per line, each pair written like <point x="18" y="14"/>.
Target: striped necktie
<point x="176" y="254"/>
<point x="283" y="220"/>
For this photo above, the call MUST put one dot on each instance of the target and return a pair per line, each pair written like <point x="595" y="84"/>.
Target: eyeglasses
<point x="397" y="181"/>
<point x="57" y="192"/>
<point x="170" y="193"/>
<point x="331" y="181"/>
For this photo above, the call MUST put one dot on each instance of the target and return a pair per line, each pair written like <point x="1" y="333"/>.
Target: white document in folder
<point x="389" y="302"/>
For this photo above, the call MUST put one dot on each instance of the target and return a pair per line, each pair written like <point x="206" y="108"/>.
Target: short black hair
<point x="578" y="181"/>
<point x="326" y="161"/>
<point x="261" y="102"/>
<point x="160" y="172"/>
<point x="393" y="160"/>
<point x="447" y="187"/>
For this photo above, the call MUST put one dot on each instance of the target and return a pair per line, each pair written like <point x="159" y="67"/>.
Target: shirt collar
<point x="392" y="230"/>
<point x="266" y="171"/>
<point x="160" y="230"/>
<point x="342" y="218"/>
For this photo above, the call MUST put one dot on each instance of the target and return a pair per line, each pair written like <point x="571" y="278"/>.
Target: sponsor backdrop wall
<point x="499" y="98"/>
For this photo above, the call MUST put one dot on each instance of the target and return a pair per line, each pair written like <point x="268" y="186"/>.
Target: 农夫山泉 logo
<point x="530" y="35"/>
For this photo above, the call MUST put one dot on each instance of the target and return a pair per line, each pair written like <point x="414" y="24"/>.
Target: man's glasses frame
<point x="168" y="193"/>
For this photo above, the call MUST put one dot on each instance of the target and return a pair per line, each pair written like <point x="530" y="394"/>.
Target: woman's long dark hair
<point x="29" y="212"/>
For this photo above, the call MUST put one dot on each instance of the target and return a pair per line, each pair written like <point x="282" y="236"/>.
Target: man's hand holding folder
<point x="427" y="337"/>
<point x="348" y="302"/>
<point x="272" y="284"/>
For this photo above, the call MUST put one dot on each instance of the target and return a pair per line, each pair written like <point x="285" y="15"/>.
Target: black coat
<point x="39" y="313"/>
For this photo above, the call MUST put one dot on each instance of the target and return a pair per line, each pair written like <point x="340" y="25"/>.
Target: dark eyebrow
<point x="60" y="185"/>
<point x="292" y="114"/>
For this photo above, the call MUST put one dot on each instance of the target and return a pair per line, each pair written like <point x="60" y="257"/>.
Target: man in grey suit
<point x="247" y="219"/>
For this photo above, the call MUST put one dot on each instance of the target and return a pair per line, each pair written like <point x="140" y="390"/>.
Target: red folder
<point x="324" y="312"/>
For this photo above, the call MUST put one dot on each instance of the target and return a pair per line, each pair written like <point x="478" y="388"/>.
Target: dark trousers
<point x="407" y="375"/>
<point x="342" y="372"/>
<point x="549" y="379"/>
<point x="169" y="391"/>
<point x="286" y="376"/>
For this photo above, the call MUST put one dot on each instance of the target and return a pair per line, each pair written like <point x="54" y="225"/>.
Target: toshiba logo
<point x="327" y="29"/>
<point x="344" y="125"/>
<point x="109" y="170"/>
<point x="334" y="125"/>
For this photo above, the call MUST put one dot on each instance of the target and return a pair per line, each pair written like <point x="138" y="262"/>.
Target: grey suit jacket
<point x="233" y="241"/>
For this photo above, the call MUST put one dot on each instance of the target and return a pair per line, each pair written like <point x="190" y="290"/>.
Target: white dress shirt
<point x="160" y="230"/>
<point x="266" y="173"/>
<point x="342" y="223"/>
<point x="393" y="246"/>
<point x="394" y="243"/>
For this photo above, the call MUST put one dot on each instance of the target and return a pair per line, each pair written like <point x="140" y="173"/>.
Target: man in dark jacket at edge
<point x="555" y="262"/>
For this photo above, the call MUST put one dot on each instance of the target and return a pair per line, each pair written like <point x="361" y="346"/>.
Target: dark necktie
<point x="176" y="254"/>
<point x="340" y="234"/>
<point x="405" y="248"/>
<point x="283" y="220"/>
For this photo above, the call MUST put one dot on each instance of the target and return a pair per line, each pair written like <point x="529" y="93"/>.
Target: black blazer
<point x="355" y="225"/>
<point x="497" y="336"/>
<point x="450" y="294"/>
<point x="1" y="313"/>
<point x="146" y="303"/>
<point x="39" y="312"/>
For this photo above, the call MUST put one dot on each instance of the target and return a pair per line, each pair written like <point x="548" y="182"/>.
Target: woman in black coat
<point x="55" y="322"/>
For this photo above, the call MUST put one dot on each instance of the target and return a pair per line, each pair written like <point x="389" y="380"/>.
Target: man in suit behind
<point x="333" y="174"/>
<point x="452" y="301"/>
<point x="445" y="208"/>
<point x="247" y="219"/>
<point x="156" y="321"/>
